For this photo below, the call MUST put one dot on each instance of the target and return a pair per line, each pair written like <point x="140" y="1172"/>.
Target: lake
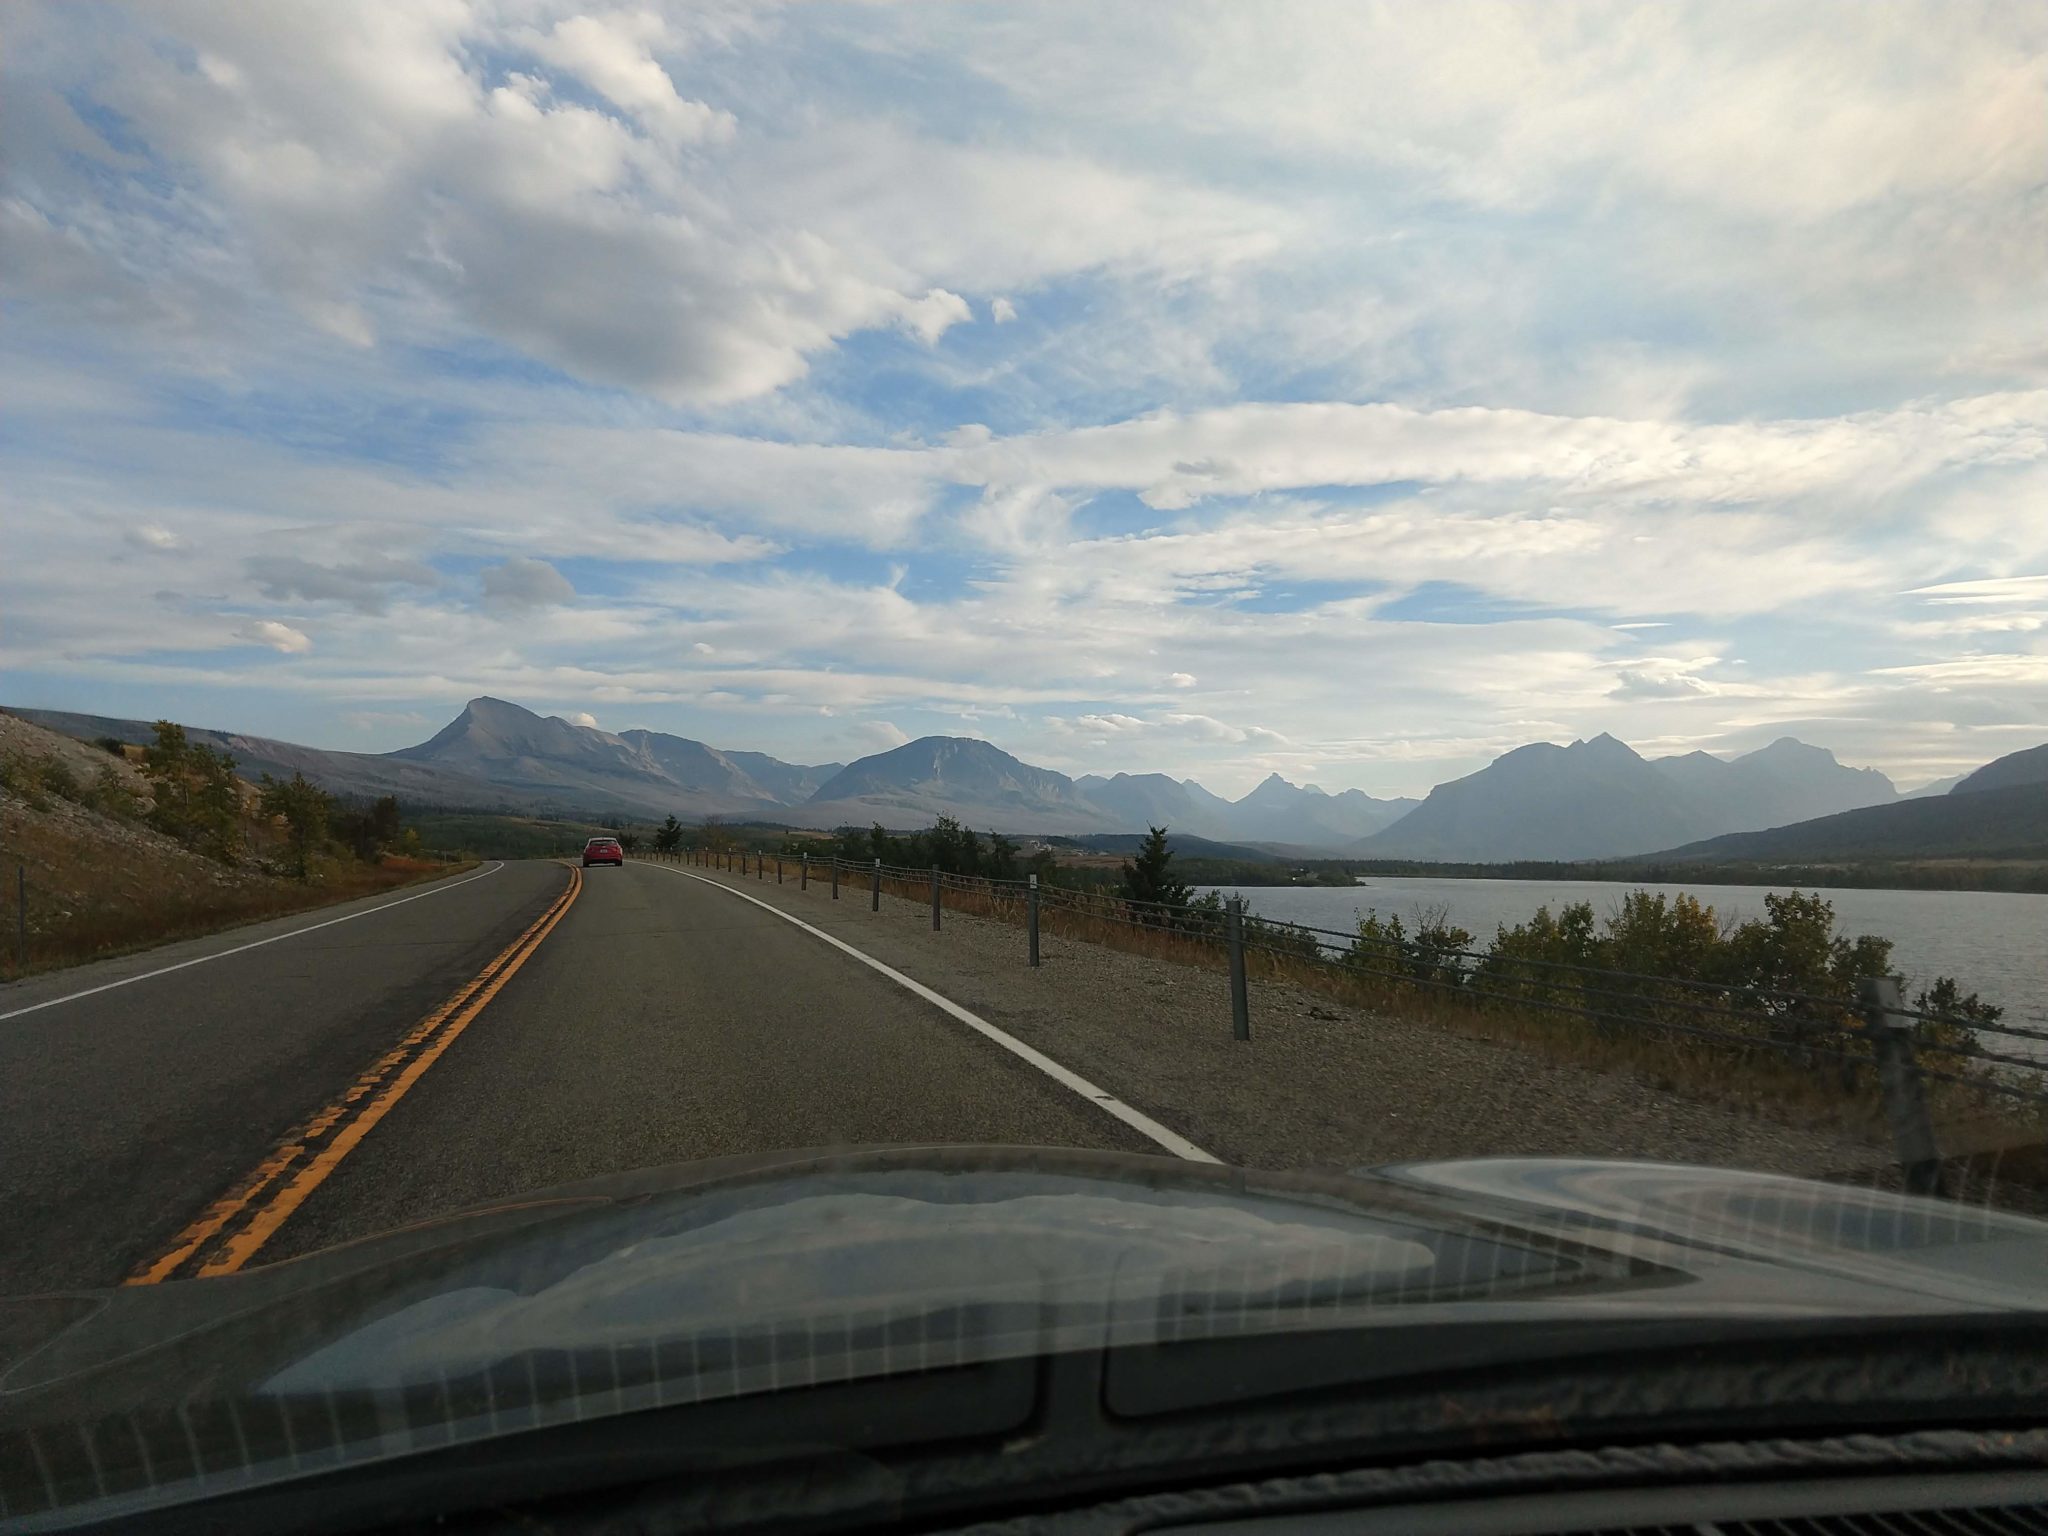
<point x="1994" y="942"/>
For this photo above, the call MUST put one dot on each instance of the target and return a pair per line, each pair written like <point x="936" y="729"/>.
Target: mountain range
<point x="1589" y="800"/>
<point x="1601" y="799"/>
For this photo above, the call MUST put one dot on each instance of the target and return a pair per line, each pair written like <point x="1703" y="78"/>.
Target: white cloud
<point x="153" y="536"/>
<point x="279" y="637"/>
<point x="1404" y="376"/>
<point x="877" y="735"/>
<point x="930" y="317"/>
<point x="611" y="54"/>
<point x="584" y="718"/>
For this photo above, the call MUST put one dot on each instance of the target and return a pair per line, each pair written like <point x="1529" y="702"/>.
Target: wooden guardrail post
<point x="935" y="898"/>
<point x="1031" y="918"/>
<point x="1240" y="999"/>
<point x="1898" y="1078"/>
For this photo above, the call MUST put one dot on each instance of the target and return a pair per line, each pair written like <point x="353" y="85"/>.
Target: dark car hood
<point x="877" y="1258"/>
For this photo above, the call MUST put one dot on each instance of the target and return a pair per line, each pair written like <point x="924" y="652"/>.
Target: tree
<point x="669" y="836"/>
<point x="194" y="791"/>
<point x="1002" y="857"/>
<point x="628" y="841"/>
<point x="1149" y="879"/>
<point x="305" y="809"/>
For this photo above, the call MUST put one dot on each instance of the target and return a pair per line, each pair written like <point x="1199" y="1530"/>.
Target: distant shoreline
<point x="2014" y="876"/>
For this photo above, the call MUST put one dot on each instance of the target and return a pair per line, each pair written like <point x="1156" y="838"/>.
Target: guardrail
<point x="1870" y="1037"/>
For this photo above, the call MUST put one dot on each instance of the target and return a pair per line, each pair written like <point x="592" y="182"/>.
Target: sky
<point x="1350" y="391"/>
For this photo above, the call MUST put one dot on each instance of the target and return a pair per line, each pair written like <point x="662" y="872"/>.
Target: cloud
<point x="366" y="585"/>
<point x="1407" y="396"/>
<point x="584" y="718"/>
<point x="279" y="637"/>
<point x="153" y="536"/>
<point x="519" y="586"/>
<point x="877" y="735"/>
<point x="611" y="54"/>
<point x="930" y="317"/>
<point x="572" y="204"/>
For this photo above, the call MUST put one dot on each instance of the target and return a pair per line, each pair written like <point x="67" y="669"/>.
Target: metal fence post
<point x="1898" y="1078"/>
<point x="1240" y="1000"/>
<point x="935" y="898"/>
<point x="803" y="872"/>
<point x="835" y="877"/>
<point x="1031" y="918"/>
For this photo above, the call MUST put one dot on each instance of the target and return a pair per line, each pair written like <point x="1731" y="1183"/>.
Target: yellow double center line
<point x="230" y="1231"/>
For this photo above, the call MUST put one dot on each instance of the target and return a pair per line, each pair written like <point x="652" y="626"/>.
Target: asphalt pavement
<point x="124" y="1111"/>
<point x="666" y="1020"/>
<point x="658" y="1020"/>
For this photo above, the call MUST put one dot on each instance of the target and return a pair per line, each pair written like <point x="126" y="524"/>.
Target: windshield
<point x="1421" y="630"/>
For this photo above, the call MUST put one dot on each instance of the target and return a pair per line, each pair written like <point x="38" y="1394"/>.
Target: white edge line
<point x="222" y="954"/>
<point x="1137" y="1120"/>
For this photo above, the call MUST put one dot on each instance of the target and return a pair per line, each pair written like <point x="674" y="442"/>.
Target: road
<point x="471" y="1040"/>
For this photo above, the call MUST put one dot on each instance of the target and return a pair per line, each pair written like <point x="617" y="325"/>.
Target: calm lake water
<point x="1994" y="942"/>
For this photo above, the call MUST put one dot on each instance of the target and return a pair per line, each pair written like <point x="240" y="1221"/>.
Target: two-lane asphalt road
<point x="651" y="1019"/>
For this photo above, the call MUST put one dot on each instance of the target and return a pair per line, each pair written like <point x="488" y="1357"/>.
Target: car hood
<point x="734" y="1272"/>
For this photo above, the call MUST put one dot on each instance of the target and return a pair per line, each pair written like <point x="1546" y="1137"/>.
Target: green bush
<point x="194" y="789"/>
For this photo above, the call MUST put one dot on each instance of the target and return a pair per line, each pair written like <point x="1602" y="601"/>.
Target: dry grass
<point x="99" y="882"/>
<point x="76" y="920"/>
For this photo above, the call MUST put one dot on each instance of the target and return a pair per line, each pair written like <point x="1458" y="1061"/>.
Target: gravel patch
<point x="1319" y="1084"/>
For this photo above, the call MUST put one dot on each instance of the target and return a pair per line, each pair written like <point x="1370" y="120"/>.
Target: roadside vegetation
<point x="118" y="848"/>
<point x="1756" y="1014"/>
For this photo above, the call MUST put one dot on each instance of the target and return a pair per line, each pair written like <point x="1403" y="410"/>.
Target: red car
<point x="603" y="850"/>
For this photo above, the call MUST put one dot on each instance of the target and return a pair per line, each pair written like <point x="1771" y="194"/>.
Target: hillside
<point x="2015" y="768"/>
<point x="101" y="880"/>
<point x="355" y="775"/>
<point x="1992" y="823"/>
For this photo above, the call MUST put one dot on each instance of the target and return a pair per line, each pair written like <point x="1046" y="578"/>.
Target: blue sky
<point x="1345" y="390"/>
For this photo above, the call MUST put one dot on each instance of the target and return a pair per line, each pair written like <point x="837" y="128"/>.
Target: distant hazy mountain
<point x="1600" y="799"/>
<point x="1784" y="782"/>
<point x="1592" y="799"/>
<point x="1929" y="791"/>
<point x="958" y="776"/>
<point x="1135" y="800"/>
<point x="649" y="772"/>
<point x="2028" y="767"/>
<point x="2010" y="822"/>
<point x="787" y="782"/>
<point x="1280" y="812"/>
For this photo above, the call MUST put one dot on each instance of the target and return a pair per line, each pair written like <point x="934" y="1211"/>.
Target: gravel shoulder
<point x="1319" y="1084"/>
